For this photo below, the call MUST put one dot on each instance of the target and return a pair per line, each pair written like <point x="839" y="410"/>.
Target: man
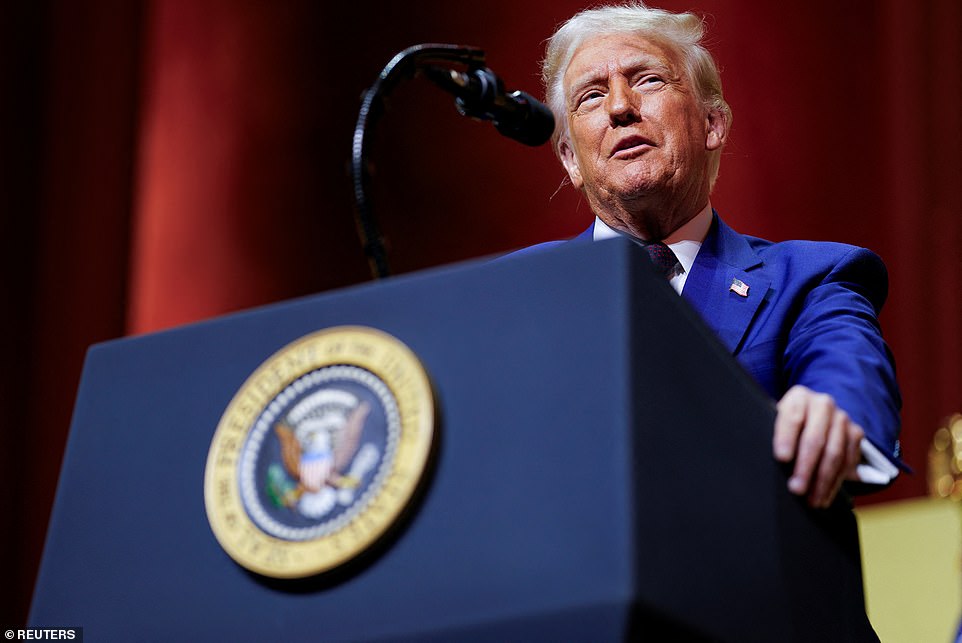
<point x="641" y="124"/>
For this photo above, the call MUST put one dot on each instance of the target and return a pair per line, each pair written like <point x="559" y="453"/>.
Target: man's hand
<point x="823" y="441"/>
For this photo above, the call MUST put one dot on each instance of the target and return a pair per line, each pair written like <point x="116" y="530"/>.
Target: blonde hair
<point x="681" y="32"/>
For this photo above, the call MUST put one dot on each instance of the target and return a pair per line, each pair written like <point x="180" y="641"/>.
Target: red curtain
<point x="169" y="161"/>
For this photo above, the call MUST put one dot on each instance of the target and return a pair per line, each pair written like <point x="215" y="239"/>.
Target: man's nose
<point x="623" y="105"/>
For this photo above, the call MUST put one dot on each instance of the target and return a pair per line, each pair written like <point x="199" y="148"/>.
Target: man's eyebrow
<point x="642" y="62"/>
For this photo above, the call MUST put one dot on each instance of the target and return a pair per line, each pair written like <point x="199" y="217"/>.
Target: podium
<point x="603" y="472"/>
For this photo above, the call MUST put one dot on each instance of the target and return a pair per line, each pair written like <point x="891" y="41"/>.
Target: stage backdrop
<point x="169" y="161"/>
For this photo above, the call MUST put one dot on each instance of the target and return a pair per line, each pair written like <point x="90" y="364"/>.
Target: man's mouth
<point x="630" y="146"/>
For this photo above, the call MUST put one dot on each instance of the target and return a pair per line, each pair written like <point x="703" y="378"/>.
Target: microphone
<point x="480" y="94"/>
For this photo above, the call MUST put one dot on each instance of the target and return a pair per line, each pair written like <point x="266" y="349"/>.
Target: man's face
<point x="636" y="127"/>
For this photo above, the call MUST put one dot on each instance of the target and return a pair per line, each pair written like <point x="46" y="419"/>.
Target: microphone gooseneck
<point x="479" y="94"/>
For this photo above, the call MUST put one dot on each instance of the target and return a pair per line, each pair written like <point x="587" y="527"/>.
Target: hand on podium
<point x="824" y="442"/>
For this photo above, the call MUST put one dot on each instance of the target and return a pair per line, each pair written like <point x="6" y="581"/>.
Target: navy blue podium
<point x="603" y="473"/>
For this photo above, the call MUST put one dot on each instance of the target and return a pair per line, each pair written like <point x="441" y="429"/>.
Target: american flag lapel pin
<point x="739" y="287"/>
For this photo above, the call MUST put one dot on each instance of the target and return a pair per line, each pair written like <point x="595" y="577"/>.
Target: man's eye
<point x="651" y="80"/>
<point x="590" y="96"/>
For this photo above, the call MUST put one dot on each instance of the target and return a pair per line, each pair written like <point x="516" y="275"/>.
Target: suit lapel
<point x="724" y="257"/>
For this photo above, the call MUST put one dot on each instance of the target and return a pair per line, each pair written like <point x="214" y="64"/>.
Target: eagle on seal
<point x="317" y="456"/>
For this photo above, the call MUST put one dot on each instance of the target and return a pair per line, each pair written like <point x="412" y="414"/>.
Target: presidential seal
<point x="319" y="452"/>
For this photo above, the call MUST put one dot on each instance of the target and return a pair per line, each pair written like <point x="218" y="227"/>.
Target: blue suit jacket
<point x="810" y="317"/>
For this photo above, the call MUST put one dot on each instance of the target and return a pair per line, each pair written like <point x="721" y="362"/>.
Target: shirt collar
<point x="685" y="242"/>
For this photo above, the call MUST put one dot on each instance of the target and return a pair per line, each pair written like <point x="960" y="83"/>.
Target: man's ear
<point x="567" y="156"/>
<point x="716" y="129"/>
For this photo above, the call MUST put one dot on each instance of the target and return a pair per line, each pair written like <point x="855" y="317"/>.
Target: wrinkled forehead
<point x="596" y="57"/>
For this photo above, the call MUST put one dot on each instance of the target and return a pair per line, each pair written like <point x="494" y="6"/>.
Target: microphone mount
<point x="480" y="94"/>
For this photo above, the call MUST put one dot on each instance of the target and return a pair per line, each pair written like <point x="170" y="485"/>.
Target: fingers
<point x="812" y="440"/>
<point x="824" y="442"/>
<point x="831" y="465"/>
<point x="789" y="422"/>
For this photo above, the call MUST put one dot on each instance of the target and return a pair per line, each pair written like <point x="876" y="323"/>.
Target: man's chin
<point x="640" y="189"/>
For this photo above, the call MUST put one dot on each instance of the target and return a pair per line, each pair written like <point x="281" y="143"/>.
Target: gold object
<point x="945" y="460"/>
<point x="320" y="452"/>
